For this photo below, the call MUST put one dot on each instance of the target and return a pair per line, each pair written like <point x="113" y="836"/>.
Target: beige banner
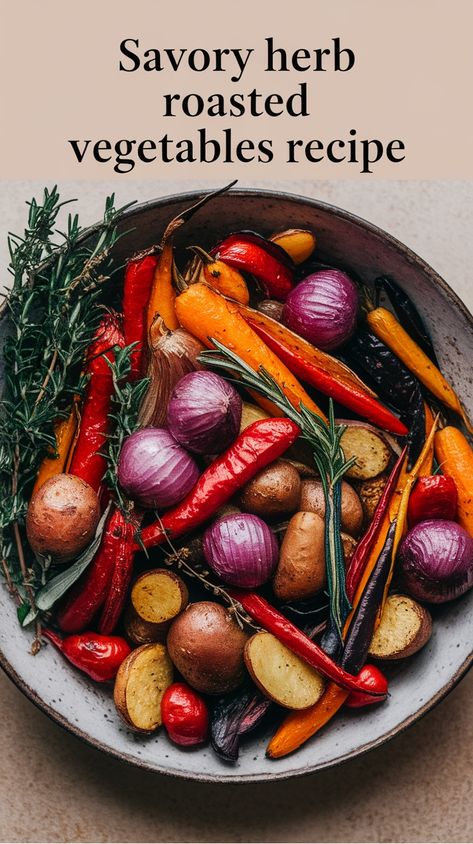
<point x="402" y="111"/>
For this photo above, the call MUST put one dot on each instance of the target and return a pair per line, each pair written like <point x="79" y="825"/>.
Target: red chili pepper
<point x="363" y="549"/>
<point x="265" y="260"/>
<point x="87" y="462"/>
<point x="348" y="395"/>
<point x="121" y="577"/>
<point x="375" y="680"/>
<point x="89" y="593"/>
<point x="433" y="497"/>
<point x="97" y="656"/>
<point x="139" y="276"/>
<point x="185" y="715"/>
<point x="257" y="446"/>
<point x="290" y="635"/>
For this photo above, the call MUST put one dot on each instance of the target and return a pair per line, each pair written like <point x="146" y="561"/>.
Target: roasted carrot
<point x="162" y="297"/>
<point x="300" y="726"/>
<point x="387" y="328"/>
<point x="223" y="278"/>
<point x="426" y="468"/>
<point x="204" y="313"/>
<point x="298" y="243"/>
<point x="65" y="432"/>
<point x="455" y="457"/>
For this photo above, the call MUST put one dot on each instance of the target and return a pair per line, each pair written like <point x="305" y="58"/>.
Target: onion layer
<point x="204" y="412"/>
<point x="241" y="549"/>
<point x="437" y="561"/>
<point x="154" y="469"/>
<point x="323" y="309"/>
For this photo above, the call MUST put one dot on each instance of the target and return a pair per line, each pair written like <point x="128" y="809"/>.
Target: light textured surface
<point x="415" y="788"/>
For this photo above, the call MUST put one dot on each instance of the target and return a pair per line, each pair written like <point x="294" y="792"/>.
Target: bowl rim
<point x="234" y="777"/>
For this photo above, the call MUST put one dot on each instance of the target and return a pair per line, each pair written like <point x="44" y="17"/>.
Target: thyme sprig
<point x="127" y="398"/>
<point x="324" y="439"/>
<point x="51" y="313"/>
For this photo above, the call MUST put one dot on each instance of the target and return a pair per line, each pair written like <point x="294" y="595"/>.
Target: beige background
<point x="416" y="788"/>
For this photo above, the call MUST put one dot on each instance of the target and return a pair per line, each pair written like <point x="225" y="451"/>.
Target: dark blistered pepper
<point x="233" y="716"/>
<point x="366" y="543"/>
<point x="257" y="446"/>
<point x="121" y="575"/>
<point x="265" y="260"/>
<point x="139" y="276"/>
<point x="433" y="497"/>
<point x="88" y="461"/>
<point x="348" y="395"/>
<point x="97" y="656"/>
<point x="185" y="715"/>
<point x="394" y="383"/>
<point x="407" y="314"/>
<point x="373" y="678"/>
<point x="264" y="614"/>
<point x="361" y="629"/>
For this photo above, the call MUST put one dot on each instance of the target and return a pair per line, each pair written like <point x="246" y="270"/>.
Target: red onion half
<point x="437" y="561"/>
<point x="241" y="549"/>
<point x="204" y="412"/>
<point x="154" y="469"/>
<point x="323" y="309"/>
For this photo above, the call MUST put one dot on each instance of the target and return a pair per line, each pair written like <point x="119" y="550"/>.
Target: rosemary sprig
<point x="52" y="311"/>
<point x="126" y="405"/>
<point x="324" y="439"/>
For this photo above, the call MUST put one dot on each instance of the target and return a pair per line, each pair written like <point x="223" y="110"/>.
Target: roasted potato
<point x="281" y="675"/>
<point x="348" y="544"/>
<point x="140" y="684"/>
<point x="157" y="597"/>
<point x="404" y="629"/>
<point x="370" y="450"/>
<point x="370" y="492"/>
<point x="274" y="491"/>
<point x="62" y="518"/>
<point x="312" y="501"/>
<point x="206" y="645"/>
<point x="301" y="568"/>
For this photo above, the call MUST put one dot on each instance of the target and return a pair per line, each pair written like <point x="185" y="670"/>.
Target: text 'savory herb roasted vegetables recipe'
<point x="235" y="482"/>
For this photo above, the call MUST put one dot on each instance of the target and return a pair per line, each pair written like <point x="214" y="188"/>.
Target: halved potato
<point x="157" y="597"/>
<point x="404" y="629"/>
<point x="371" y="452"/>
<point x="281" y="675"/>
<point x="140" y="684"/>
<point x="370" y="492"/>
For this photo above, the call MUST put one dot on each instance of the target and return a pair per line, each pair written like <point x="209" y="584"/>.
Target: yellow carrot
<point x="65" y="432"/>
<point x="389" y="330"/>
<point x="204" y="313"/>
<point x="298" y="243"/>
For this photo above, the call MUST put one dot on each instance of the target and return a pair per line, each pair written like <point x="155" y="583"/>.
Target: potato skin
<point x="274" y="491"/>
<point x="370" y="492"/>
<point x="398" y="636"/>
<point x="301" y="568"/>
<point x="312" y="501"/>
<point x="123" y="678"/>
<point x="62" y="518"/>
<point x="206" y="646"/>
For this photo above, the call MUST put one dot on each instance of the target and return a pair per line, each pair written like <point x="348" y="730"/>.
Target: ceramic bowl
<point x="417" y="684"/>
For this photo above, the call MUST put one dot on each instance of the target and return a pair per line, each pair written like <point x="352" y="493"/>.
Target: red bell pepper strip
<point x="87" y="461"/>
<point x="139" y="276"/>
<point x="121" y="577"/>
<point x="348" y="395"/>
<point x="89" y="593"/>
<point x="97" y="656"/>
<point x="433" y="497"/>
<point x="363" y="549"/>
<point x="265" y="260"/>
<point x="257" y="446"/>
<point x="263" y="613"/>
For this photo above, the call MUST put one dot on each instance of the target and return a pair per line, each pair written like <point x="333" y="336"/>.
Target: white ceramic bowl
<point x="416" y="684"/>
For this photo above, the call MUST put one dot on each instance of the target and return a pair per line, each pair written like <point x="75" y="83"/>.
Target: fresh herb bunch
<point x="52" y="311"/>
<point x="126" y="405"/>
<point x="324" y="439"/>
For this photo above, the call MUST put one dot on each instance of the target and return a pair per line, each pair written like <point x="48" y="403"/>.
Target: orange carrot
<point x="299" y="726"/>
<point x="65" y="431"/>
<point x="225" y="279"/>
<point x="162" y="297"/>
<point x="455" y="457"/>
<point x="204" y="313"/>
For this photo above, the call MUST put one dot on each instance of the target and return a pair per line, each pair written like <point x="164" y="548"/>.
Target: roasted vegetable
<point x="157" y="597"/>
<point x="370" y="451"/>
<point x="185" y="715"/>
<point x="233" y="716"/>
<point x="275" y="491"/>
<point x="280" y="674"/>
<point x="140" y="684"/>
<point x="312" y="500"/>
<point x="301" y="568"/>
<point x="405" y="627"/>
